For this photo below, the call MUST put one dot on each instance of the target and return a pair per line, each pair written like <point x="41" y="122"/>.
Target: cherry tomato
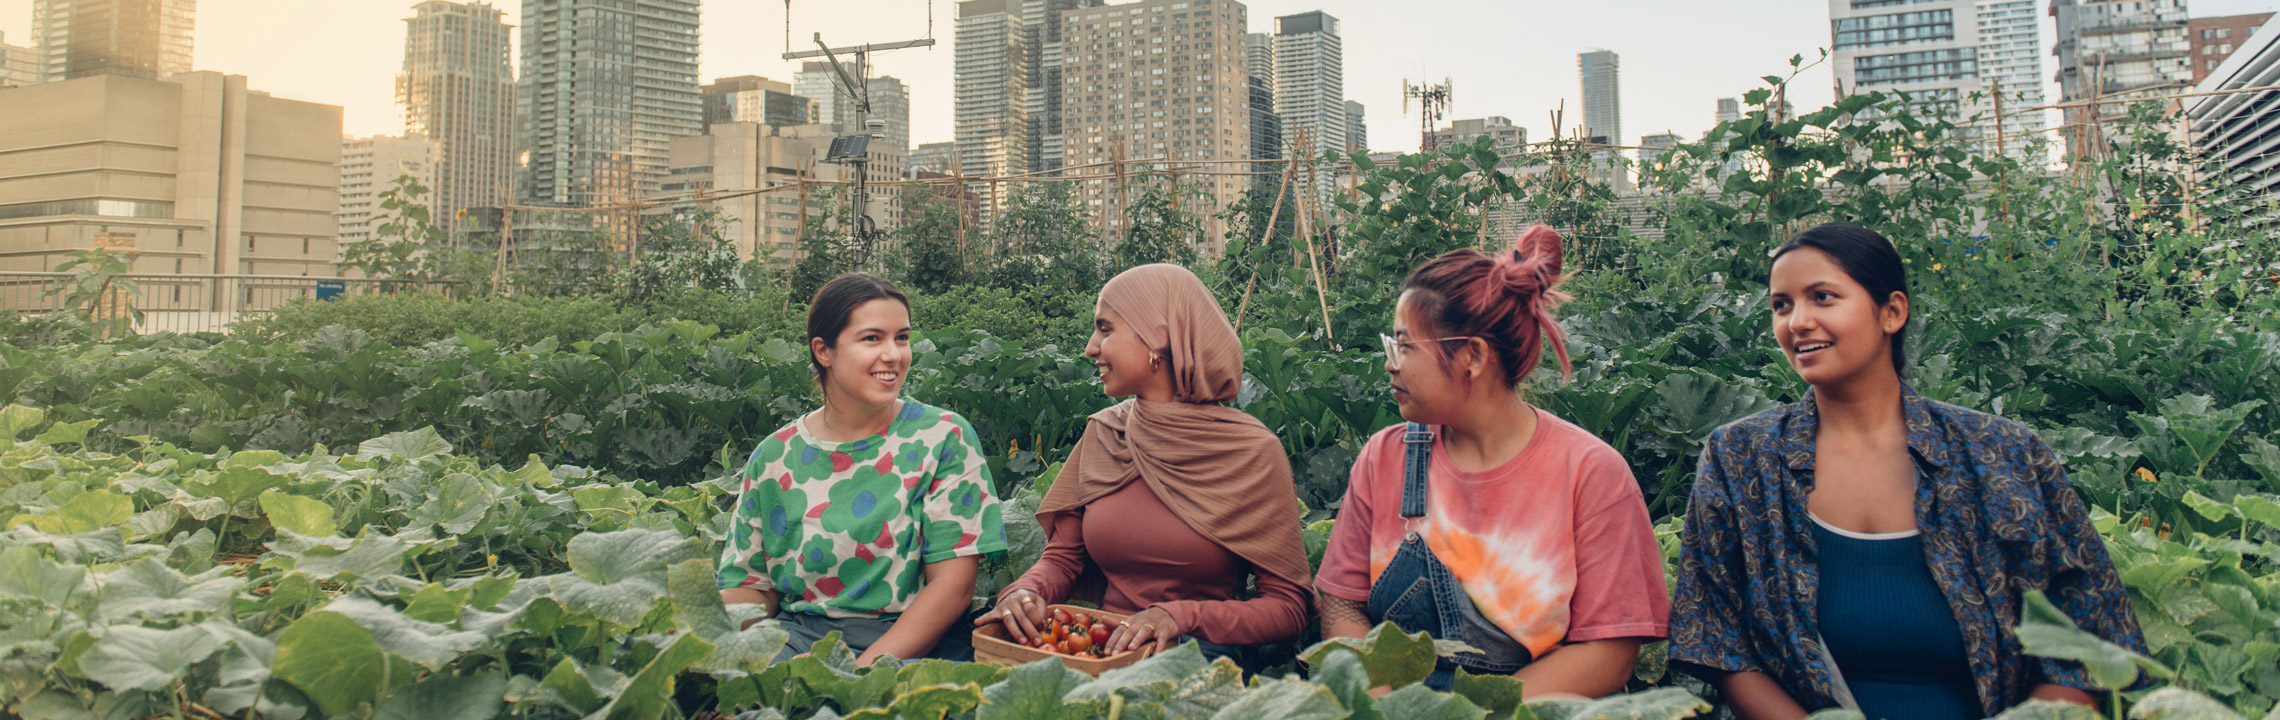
<point x="1081" y="619"/>
<point x="1081" y="642"/>
<point x="1100" y="634"/>
<point x="1060" y="616"/>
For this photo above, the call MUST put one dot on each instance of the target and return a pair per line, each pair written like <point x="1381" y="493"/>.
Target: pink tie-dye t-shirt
<point x="1554" y="546"/>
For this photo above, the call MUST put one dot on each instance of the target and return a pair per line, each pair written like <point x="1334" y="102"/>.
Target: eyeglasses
<point x="1395" y="349"/>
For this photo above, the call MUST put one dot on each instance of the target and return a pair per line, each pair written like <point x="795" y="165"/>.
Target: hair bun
<point x="1532" y="266"/>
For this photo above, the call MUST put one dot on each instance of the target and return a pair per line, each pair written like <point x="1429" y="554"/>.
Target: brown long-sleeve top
<point x="1153" y="559"/>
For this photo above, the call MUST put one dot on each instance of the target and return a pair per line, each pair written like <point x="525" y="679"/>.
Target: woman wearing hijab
<point x="1171" y="498"/>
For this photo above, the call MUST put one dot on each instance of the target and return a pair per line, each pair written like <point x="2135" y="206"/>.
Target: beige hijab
<point x="1219" y="469"/>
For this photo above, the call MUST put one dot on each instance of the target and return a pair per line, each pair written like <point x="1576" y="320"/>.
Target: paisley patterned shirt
<point x="846" y="529"/>
<point x="1998" y="519"/>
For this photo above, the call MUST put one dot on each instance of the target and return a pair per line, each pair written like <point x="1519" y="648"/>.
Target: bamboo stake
<point x="1272" y="216"/>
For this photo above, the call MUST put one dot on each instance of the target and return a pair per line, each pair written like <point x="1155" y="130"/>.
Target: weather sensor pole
<point x="1432" y="102"/>
<point x="855" y="149"/>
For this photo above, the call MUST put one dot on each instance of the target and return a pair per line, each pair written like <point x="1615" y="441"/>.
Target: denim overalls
<point x="1417" y="593"/>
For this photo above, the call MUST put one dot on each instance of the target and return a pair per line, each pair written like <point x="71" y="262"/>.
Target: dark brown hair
<point x="1505" y="300"/>
<point x="835" y="304"/>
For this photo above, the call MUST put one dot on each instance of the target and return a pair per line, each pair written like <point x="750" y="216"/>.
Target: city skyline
<point x="1676" y="67"/>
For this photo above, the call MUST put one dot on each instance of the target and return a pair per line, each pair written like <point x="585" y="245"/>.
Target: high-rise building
<point x="2010" y="62"/>
<point x="369" y="167"/>
<point x="1357" y="128"/>
<point x="890" y="102"/>
<point x="606" y="86"/>
<point x="2215" y="38"/>
<point x="941" y="157"/>
<point x="1046" y="80"/>
<point x="1156" y="83"/>
<point x="1310" y="80"/>
<point x="2119" y="50"/>
<point x="755" y="99"/>
<point x="1599" y="73"/>
<point x="1266" y="126"/>
<point x="2233" y="130"/>
<point x="140" y="38"/>
<point x="458" y="91"/>
<point x="1259" y="57"/>
<point x="19" y="65"/>
<point x="993" y="129"/>
<point x="206" y="175"/>
<point x="1729" y="110"/>
<point x="1951" y="57"/>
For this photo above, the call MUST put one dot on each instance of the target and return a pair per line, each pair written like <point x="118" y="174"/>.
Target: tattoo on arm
<point x="1340" y="610"/>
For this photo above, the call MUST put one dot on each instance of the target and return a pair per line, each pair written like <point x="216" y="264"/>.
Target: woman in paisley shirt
<point x="1892" y="584"/>
<point x="868" y="515"/>
<point x="1171" y="499"/>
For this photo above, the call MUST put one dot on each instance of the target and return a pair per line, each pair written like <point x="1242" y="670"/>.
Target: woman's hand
<point x="1022" y="611"/>
<point x="1153" y="625"/>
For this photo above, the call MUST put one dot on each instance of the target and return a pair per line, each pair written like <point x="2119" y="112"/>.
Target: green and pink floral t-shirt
<point x="846" y="529"/>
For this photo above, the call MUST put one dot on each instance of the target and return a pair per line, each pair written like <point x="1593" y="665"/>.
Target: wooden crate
<point x="992" y="646"/>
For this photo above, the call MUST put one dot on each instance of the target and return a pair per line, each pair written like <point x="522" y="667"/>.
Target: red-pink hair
<point x="1505" y="300"/>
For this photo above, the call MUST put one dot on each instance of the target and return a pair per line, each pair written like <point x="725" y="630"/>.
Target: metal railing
<point x="196" y="303"/>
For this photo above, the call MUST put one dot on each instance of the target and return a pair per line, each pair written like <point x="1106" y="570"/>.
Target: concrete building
<point x="940" y="158"/>
<point x="1310" y="80"/>
<point x="370" y="166"/>
<point x="2241" y="132"/>
<point x="458" y="91"/>
<point x="139" y="38"/>
<point x="1357" y="128"/>
<point x="1157" y="83"/>
<point x="2215" y="38"/>
<point x="204" y="174"/>
<point x="606" y="87"/>
<point x="993" y="128"/>
<point x="1508" y="138"/>
<point x="19" y="64"/>
<point x="1652" y="148"/>
<point x="755" y="99"/>
<point x="750" y="156"/>
<point x="2119" y="50"/>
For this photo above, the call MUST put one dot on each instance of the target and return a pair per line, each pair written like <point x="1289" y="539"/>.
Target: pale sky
<point x="1515" y="58"/>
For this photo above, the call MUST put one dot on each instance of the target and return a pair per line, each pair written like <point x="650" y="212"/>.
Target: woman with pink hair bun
<point x="1484" y="519"/>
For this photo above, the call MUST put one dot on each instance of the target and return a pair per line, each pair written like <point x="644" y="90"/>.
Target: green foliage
<point x="96" y="293"/>
<point x="1156" y="228"/>
<point x="684" y="250"/>
<point x="407" y="244"/>
<point x="936" y="256"/>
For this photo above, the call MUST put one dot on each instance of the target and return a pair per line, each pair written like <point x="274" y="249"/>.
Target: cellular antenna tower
<point x="856" y="83"/>
<point x="1432" y="103"/>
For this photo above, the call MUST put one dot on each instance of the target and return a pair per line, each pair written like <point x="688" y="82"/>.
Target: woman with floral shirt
<point x="1891" y="583"/>
<point x="869" y="515"/>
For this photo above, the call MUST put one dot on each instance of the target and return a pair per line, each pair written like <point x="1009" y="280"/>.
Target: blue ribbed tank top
<point x="1890" y="629"/>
